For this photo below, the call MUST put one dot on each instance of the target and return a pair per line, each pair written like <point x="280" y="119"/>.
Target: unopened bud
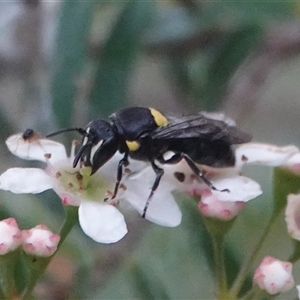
<point x="274" y="276"/>
<point x="211" y="207"/>
<point x="10" y="236"/>
<point x="40" y="241"/>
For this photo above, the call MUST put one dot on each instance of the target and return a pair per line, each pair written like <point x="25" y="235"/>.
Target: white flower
<point x="292" y="216"/>
<point x="267" y="154"/>
<point x="237" y="188"/>
<point x="240" y="188"/>
<point x="40" y="241"/>
<point x="10" y="236"/>
<point x="274" y="276"/>
<point x="163" y="209"/>
<point x="99" y="219"/>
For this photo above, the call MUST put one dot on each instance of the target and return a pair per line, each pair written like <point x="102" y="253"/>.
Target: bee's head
<point x="99" y="143"/>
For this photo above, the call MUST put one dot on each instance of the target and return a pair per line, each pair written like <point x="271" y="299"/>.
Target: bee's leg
<point x="123" y="162"/>
<point x="199" y="173"/>
<point x="159" y="173"/>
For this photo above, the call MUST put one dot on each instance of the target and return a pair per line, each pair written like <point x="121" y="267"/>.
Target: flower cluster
<point x="226" y="205"/>
<point x="99" y="217"/>
<point x="38" y="241"/>
<point x="101" y="220"/>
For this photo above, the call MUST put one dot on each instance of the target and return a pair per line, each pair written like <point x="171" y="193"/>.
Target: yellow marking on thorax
<point x="159" y="118"/>
<point x="133" y="145"/>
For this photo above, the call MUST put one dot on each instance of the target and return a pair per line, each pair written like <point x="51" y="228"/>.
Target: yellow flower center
<point x="81" y="184"/>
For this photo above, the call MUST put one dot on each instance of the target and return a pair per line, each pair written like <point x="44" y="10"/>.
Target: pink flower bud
<point x="292" y="216"/>
<point x="211" y="207"/>
<point x="40" y="241"/>
<point x="10" y="235"/>
<point x="274" y="276"/>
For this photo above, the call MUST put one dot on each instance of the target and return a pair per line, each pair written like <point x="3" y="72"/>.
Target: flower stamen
<point x="179" y="176"/>
<point x="123" y="186"/>
<point x="85" y="172"/>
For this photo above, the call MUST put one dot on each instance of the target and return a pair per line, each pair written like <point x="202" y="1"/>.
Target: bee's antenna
<point x="78" y="129"/>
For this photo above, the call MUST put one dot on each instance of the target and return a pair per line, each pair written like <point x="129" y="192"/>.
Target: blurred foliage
<point x="117" y="57"/>
<point x="69" y="57"/>
<point x="198" y="46"/>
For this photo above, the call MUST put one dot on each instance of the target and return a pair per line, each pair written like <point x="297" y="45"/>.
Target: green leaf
<point x="69" y="56"/>
<point x="169" y="263"/>
<point x="118" y="56"/>
<point x="178" y="69"/>
<point x="6" y="126"/>
<point x="285" y="182"/>
<point x="242" y="11"/>
<point x="21" y="273"/>
<point x="147" y="284"/>
<point x="232" y="51"/>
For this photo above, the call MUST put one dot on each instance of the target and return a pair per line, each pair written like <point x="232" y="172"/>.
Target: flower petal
<point x="240" y="189"/>
<point x="25" y="181"/>
<point x="265" y="154"/>
<point x="294" y="163"/>
<point x="292" y="216"/>
<point x="163" y="209"/>
<point x="109" y="170"/>
<point x="35" y="149"/>
<point x="102" y="222"/>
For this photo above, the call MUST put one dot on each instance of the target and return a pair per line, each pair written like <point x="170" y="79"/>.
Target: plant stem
<point x="71" y="219"/>
<point x="220" y="267"/>
<point x="2" y="295"/>
<point x="7" y="268"/>
<point x="38" y="265"/>
<point x="247" y="266"/>
<point x="256" y="293"/>
<point x="218" y="230"/>
<point x="7" y="282"/>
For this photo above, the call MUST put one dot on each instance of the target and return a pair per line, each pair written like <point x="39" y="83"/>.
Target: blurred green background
<point x="66" y="63"/>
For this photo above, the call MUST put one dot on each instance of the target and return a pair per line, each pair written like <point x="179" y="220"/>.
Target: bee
<point x="146" y="134"/>
<point x="20" y="144"/>
<point x="30" y="135"/>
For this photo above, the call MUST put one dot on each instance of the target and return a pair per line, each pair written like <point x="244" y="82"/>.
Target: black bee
<point x="146" y="134"/>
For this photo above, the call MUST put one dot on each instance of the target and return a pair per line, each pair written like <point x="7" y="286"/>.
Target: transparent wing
<point x="201" y="127"/>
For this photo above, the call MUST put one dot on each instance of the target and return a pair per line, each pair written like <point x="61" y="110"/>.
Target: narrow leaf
<point x="118" y="55"/>
<point x="69" y="56"/>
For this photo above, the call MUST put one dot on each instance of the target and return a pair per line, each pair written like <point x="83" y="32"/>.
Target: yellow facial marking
<point x="159" y="118"/>
<point x="132" y="145"/>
